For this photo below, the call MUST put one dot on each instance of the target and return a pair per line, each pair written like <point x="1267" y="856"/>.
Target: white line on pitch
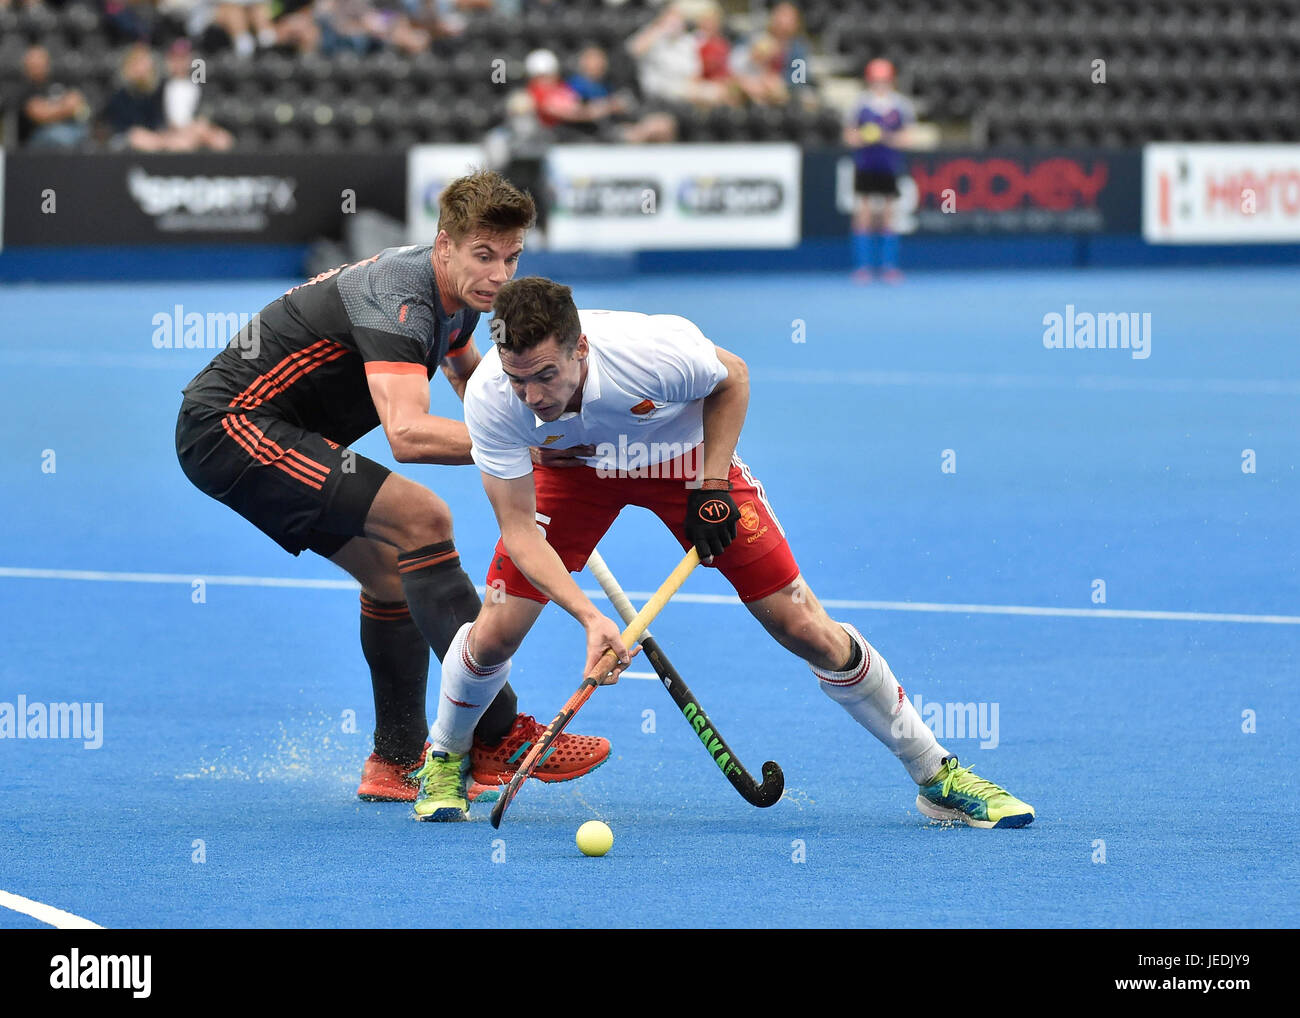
<point x="170" y="360"/>
<point x="216" y="581"/>
<point x="47" y="914"/>
<point x="967" y="380"/>
<point x="641" y="675"/>
<point x="17" y="572"/>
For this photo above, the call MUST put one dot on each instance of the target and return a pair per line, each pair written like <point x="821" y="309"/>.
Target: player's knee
<point x="380" y="587"/>
<point x="490" y="645"/>
<point x="834" y="645"/>
<point x="813" y="636"/>
<point x="427" y="520"/>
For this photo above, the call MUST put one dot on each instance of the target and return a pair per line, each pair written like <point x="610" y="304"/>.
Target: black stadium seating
<point x="1192" y="70"/>
<point x="996" y="72"/>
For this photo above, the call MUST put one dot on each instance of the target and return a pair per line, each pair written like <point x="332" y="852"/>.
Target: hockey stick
<point x="631" y="634"/>
<point x="755" y="794"/>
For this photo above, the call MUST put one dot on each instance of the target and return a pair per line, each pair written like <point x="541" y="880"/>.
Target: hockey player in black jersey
<point x="265" y="430"/>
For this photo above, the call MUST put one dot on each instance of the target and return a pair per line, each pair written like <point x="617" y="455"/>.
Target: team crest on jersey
<point x="552" y="439"/>
<point x="646" y="406"/>
<point x="749" y="517"/>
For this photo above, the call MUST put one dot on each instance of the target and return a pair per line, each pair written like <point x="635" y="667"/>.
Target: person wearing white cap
<point x="560" y="109"/>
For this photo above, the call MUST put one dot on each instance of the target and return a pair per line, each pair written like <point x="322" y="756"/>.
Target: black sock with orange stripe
<point x="398" y="656"/>
<point x="443" y="599"/>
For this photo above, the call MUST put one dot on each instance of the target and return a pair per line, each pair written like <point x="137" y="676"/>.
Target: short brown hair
<point x="531" y="309"/>
<point x="484" y="201"/>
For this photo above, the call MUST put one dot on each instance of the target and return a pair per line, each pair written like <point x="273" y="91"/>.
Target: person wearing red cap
<point x="875" y="130"/>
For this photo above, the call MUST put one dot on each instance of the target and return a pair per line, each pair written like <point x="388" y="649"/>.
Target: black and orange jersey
<point x="304" y="357"/>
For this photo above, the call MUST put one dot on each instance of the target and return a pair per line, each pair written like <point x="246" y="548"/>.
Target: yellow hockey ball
<point x="595" y="838"/>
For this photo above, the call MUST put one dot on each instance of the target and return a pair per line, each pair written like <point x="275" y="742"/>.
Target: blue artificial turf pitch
<point x="225" y="717"/>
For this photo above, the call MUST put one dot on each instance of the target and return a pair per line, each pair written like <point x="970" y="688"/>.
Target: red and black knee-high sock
<point x="443" y="599"/>
<point x="398" y="656"/>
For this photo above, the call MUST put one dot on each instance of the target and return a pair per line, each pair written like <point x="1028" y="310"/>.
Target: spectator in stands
<point x="137" y="114"/>
<point x="241" y="25"/>
<point x="668" y="58"/>
<point x="131" y="20"/>
<point x="50" y="115"/>
<point x="344" y="26"/>
<point x="793" y="50"/>
<point x="556" y="105"/>
<point x="181" y="19"/>
<point x="363" y="27"/>
<point x="186" y="131"/>
<point x="134" y="114"/>
<point x="774" y="64"/>
<point x="517" y="150"/>
<point x="616" y="113"/>
<point x="755" y="75"/>
<point x="394" y="26"/>
<point x="520" y="135"/>
<point x="590" y="79"/>
<point x="248" y="23"/>
<point x="716" y="78"/>
<point x="876" y="130"/>
<point x="403" y="34"/>
<point x="445" y="19"/>
<point x="295" y="25"/>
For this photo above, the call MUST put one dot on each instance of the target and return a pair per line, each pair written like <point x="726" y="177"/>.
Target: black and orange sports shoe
<point x="570" y="756"/>
<point x="384" y="780"/>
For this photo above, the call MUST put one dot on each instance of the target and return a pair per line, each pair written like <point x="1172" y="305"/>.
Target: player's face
<point x="547" y="377"/>
<point x="480" y="263"/>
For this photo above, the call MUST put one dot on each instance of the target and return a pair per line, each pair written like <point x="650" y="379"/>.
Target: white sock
<point x="875" y="700"/>
<point x="468" y="689"/>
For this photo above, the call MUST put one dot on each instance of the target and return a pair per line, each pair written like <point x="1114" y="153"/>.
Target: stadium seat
<point x="1017" y="65"/>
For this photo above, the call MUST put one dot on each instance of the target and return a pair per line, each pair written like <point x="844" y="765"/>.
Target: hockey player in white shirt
<point x="650" y="412"/>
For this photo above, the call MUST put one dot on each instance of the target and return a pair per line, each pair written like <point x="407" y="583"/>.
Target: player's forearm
<point x="457" y="384"/>
<point x="724" y="416"/>
<point x="460" y="368"/>
<point x="544" y="569"/>
<point x="431" y="440"/>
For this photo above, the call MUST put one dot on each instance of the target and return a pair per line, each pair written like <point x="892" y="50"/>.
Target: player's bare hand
<point x="570" y="457"/>
<point x="604" y="635"/>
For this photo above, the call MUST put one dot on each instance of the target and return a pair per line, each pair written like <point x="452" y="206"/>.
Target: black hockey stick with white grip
<point x="773" y="779"/>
